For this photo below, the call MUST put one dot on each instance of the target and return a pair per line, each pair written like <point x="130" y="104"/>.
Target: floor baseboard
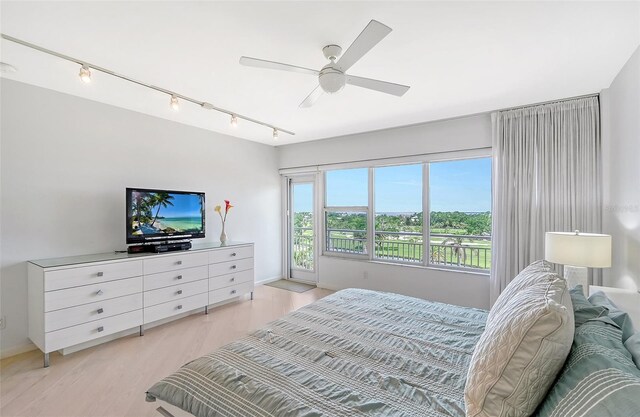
<point x="268" y="280"/>
<point x="17" y="350"/>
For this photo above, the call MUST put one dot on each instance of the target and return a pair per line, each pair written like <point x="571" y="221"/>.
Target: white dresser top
<point x="113" y="256"/>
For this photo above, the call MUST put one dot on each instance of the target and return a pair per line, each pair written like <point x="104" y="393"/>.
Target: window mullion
<point x="426" y="216"/>
<point x="371" y="215"/>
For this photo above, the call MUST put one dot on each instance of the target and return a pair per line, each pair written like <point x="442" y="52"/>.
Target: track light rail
<point x="203" y="104"/>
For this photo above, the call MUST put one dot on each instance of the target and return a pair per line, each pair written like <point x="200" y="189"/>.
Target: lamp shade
<point x="578" y="249"/>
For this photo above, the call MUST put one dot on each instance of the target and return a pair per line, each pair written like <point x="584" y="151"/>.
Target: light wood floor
<point x="111" y="379"/>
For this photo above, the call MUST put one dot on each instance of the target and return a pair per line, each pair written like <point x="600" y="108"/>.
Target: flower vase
<point x="223" y="237"/>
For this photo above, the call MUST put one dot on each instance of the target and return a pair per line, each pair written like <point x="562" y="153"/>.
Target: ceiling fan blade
<point x="382" y="86"/>
<point x="262" y="63"/>
<point x="312" y="98"/>
<point x="368" y="38"/>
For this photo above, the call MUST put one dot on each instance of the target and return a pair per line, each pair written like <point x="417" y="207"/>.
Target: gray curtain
<point x="546" y="177"/>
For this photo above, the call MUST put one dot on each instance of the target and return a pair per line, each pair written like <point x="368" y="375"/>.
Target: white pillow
<point x="531" y="274"/>
<point x="522" y="349"/>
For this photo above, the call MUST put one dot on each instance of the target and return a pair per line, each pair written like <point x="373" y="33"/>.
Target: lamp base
<point x="577" y="275"/>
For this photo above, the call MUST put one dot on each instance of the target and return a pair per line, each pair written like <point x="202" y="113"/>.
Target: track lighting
<point x="85" y="74"/>
<point x="175" y="105"/>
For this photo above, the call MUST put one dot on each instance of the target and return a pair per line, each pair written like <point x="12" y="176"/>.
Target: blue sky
<point x="184" y="205"/>
<point x="463" y="185"/>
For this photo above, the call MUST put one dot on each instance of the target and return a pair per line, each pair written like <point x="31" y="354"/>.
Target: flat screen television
<point x="157" y="215"/>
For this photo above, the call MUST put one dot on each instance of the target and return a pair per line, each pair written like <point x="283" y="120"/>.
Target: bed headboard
<point x="627" y="300"/>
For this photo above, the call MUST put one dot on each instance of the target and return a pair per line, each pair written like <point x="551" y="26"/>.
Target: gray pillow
<point x="598" y="379"/>
<point x="583" y="310"/>
<point x="620" y="317"/>
<point x="633" y="346"/>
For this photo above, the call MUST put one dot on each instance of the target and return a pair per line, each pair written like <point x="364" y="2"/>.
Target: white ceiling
<point x="458" y="58"/>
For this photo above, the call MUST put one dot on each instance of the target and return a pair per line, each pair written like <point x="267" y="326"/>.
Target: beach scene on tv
<point x="154" y="213"/>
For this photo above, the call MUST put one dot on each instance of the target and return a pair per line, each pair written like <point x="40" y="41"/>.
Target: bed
<point x="543" y="350"/>
<point x="355" y="352"/>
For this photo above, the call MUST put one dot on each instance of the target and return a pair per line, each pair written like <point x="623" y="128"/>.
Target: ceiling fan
<point x="332" y="77"/>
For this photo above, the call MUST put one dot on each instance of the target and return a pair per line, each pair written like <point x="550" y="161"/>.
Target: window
<point x="398" y="213"/>
<point x="460" y="213"/>
<point x="346" y="211"/>
<point x="458" y="232"/>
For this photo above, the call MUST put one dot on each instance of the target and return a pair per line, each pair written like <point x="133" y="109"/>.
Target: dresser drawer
<point x="175" y="292"/>
<point x="224" y="268"/>
<point x="222" y="281"/>
<point x="71" y="297"/>
<point x="226" y="293"/>
<point x="174" y="262"/>
<point x="230" y="254"/>
<point x="67" y="317"/>
<point x="74" y="277"/>
<point x="172" y="308"/>
<point x="93" y="330"/>
<point x="180" y="276"/>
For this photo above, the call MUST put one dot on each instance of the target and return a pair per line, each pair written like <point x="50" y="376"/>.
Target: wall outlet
<point x="3" y="323"/>
<point x="365" y="275"/>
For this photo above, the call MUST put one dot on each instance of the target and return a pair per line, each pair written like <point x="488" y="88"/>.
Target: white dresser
<point x="78" y="299"/>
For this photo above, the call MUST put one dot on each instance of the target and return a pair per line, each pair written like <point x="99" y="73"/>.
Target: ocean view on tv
<point x="157" y="213"/>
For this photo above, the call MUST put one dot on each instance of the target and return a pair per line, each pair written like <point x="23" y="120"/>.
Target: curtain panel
<point x="547" y="175"/>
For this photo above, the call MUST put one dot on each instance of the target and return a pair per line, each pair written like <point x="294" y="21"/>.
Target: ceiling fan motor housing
<point x="331" y="79"/>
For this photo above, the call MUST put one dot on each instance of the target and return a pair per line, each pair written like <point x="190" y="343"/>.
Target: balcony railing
<point x="302" y="251"/>
<point x="464" y="251"/>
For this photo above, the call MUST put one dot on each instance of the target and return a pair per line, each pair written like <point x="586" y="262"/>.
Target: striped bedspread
<point x="353" y="353"/>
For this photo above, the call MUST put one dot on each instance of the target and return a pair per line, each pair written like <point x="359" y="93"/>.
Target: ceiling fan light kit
<point x="332" y="77"/>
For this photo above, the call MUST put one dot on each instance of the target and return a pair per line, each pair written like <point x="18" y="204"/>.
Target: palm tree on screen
<point x="161" y="199"/>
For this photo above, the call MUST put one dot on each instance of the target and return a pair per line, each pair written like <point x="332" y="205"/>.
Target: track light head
<point x="85" y="74"/>
<point x="234" y="121"/>
<point x="175" y="105"/>
<point x="275" y="134"/>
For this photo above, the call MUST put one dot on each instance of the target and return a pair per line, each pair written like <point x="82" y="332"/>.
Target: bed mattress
<point x="355" y="352"/>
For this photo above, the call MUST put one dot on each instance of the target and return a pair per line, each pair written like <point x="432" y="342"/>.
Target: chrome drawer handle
<point x="179" y="277"/>
<point x="233" y="291"/>
<point x="99" y="292"/>
<point x="100" y="274"/>
<point x="100" y="329"/>
<point x="179" y="292"/>
<point x="179" y="307"/>
<point x="179" y="263"/>
<point x="232" y="279"/>
<point x="100" y="311"/>
<point x="233" y="254"/>
<point x="233" y="267"/>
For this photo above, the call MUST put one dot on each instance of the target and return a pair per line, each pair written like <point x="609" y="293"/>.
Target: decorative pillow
<point x="633" y="346"/>
<point x="583" y="310"/>
<point x="531" y="274"/>
<point x="598" y="379"/>
<point x="521" y="350"/>
<point x="621" y="318"/>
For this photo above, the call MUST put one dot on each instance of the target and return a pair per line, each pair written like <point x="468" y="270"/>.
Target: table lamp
<point x="577" y="252"/>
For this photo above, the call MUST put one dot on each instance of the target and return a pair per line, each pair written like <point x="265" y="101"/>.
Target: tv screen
<point x="163" y="215"/>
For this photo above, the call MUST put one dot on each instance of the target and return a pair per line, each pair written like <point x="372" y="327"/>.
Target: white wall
<point x="621" y="172"/>
<point x="449" y="135"/>
<point x="448" y="286"/>
<point x="65" y="163"/>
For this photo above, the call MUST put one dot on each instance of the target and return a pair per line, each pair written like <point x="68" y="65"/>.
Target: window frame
<point x="344" y="209"/>
<point x="425" y="250"/>
<point x="425" y="161"/>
